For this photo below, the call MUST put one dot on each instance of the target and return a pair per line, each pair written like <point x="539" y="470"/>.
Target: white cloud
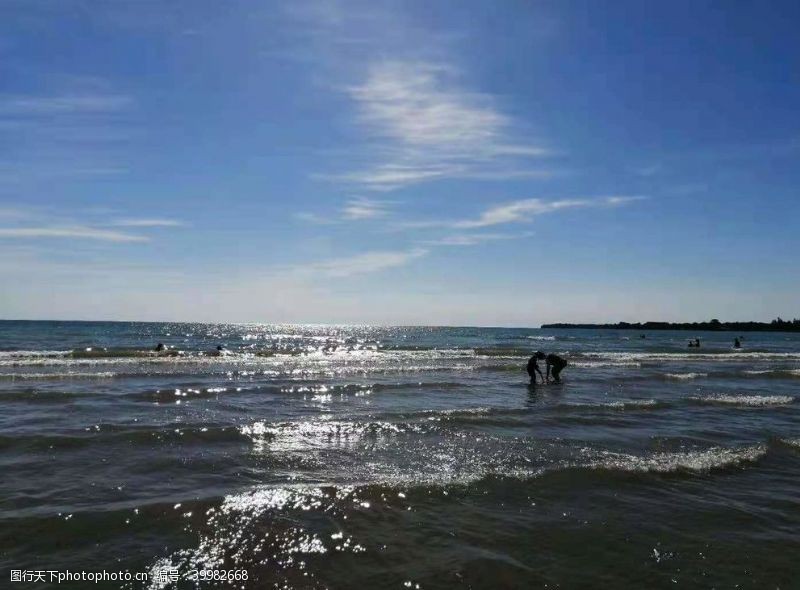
<point x="147" y="222"/>
<point x="519" y="211"/>
<point x="474" y="239"/>
<point x="50" y="105"/>
<point x="357" y="209"/>
<point x="74" y="232"/>
<point x="523" y="210"/>
<point x="367" y="262"/>
<point x="410" y="103"/>
<point x="431" y="128"/>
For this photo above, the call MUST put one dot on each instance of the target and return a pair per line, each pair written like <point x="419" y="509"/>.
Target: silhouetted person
<point x="160" y="347"/>
<point x="737" y="343"/>
<point x="555" y="364"/>
<point x="697" y="343"/>
<point x="533" y="366"/>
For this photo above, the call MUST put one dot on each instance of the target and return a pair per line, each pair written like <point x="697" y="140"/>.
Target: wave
<point x="62" y="375"/>
<point x="180" y="393"/>
<point x="34" y="395"/>
<point x="791" y="442"/>
<point x="626" y="404"/>
<point x="685" y="376"/>
<point x="109" y="434"/>
<point x="271" y="524"/>
<point x="691" y="461"/>
<point x="601" y="364"/>
<point x="503" y="352"/>
<point x="21" y="354"/>
<point x="754" y="401"/>
<point x="720" y="356"/>
<point x="773" y="373"/>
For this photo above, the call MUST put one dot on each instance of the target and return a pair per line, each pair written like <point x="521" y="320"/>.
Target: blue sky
<point x="468" y="163"/>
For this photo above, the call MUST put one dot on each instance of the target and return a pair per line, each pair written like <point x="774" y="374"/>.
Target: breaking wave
<point x="754" y="401"/>
<point x="691" y="461"/>
<point x="685" y="376"/>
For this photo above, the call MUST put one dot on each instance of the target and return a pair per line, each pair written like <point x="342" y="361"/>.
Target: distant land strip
<point x="776" y="325"/>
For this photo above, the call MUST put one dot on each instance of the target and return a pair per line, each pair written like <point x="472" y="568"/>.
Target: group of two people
<point x="553" y="363"/>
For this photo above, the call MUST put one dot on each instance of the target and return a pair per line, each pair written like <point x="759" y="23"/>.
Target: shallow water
<point x="344" y="457"/>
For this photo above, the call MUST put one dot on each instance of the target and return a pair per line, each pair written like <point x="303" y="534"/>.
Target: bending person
<point x="555" y="364"/>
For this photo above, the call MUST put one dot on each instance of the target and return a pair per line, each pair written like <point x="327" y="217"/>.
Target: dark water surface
<point x="359" y="457"/>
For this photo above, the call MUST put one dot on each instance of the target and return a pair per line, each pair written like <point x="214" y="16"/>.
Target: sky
<point x="449" y="163"/>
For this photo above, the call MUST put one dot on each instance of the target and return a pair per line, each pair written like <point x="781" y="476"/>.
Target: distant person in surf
<point x="533" y="366"/>
<point x="555" y="364"/>
<point x="219" y="351"/>
<point x="160" y="347"/>
<point x="737" y="343"/>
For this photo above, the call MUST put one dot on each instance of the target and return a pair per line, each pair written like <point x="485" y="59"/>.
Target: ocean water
<point x="365" y="457"/>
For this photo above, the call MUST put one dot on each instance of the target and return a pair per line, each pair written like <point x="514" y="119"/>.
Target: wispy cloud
<point x="358" y="209"/>
<point x="367" y="262"/>
<point x="523" y="210"/>
<point x="78" y="130"/>
<point x="64" y="104"/>
<point x="474" y="239"/>
<point x="430" y="127"/>
<point x="75" y="232"/>
<point x="12" y="213"/>
<point x="362" y="208"/>
<point x="147" y="222"/>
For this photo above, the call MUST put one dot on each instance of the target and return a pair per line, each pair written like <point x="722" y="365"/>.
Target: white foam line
<point x="746" y="400"/>
<point x="698" y="461"/>
<point x="83" y="375"/>
<point x="683" y="376"/>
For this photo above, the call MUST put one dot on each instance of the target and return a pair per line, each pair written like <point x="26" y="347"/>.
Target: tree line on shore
<point x="776" y="325"/>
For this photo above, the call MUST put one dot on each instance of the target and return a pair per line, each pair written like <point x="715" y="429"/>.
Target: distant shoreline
<point x="777" y="325"/>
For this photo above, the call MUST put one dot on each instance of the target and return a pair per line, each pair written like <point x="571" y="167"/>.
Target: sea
<point x="316" y="456"/>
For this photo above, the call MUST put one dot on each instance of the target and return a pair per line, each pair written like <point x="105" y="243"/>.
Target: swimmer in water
<point x="160" y="347"/>
<point x="737" y="343"/>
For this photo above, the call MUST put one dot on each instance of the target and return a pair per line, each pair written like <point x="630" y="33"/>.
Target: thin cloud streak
<point x="76" y="232"/>
<point x="365" y="263"/>
<point x="50" y="105"/>
<point x="147" y="223"/>
<point x="523" y="210"/>
<point x="473" y="239"/>
<point x="358" y="209"/>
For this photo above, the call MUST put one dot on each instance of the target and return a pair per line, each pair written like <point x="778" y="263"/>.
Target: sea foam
<point x="695" y="461"/>
<point x="754" y="401"/>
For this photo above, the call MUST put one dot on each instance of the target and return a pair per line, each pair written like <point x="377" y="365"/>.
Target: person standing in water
<point x="533" y="366"/>
<point x="555" y="364"/>
<point x="737" y="343"/>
